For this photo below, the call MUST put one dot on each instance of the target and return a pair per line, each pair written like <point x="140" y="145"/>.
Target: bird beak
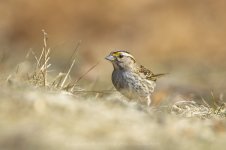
<point x="110" y="58"/>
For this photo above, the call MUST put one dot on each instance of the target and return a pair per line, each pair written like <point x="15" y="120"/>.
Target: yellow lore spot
<point x="116" y="54"/>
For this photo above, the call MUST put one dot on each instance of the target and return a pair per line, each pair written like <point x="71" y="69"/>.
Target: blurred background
<point x="185" y="38"/>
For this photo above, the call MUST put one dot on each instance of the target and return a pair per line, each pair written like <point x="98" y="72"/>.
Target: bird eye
<point x="120" y="56"/>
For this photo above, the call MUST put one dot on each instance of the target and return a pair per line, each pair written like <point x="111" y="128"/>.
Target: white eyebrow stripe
<point x="126" y="54"/>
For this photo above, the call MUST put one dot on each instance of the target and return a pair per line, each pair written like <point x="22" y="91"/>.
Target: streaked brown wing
<point x="148" y="74"/>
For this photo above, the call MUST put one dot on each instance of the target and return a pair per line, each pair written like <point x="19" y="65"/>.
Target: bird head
<point x="121" y="60"/>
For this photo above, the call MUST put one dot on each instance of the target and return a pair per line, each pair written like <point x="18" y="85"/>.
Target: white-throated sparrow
<point x="130" y="79"/>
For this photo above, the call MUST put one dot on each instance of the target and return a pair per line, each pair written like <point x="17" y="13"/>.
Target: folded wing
<point x="148" y="74"/>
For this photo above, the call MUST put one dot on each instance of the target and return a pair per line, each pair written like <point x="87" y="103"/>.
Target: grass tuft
<point x="45" y="112"/>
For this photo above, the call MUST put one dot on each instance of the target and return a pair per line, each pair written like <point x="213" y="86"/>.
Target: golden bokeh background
<point x="185" y="38"/>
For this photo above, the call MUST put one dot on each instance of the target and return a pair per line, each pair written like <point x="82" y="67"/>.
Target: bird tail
<point x="154" y="77"/>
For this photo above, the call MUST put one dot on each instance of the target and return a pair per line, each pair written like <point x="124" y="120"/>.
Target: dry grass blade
<point x="33" y="53"/>
<point x="205" y="103"/>
<point x="58" y="80"/>
<point x="65" y="78"/>
<point x="220" y="108"/>
<point x="45" y="66"/>
<point x="45" y="49"/>
<point x="39" y="60"/>
<point x="83" y="75"/>
<point x="74" y="53"/>
<point x="101" y="91"/>
<point x="72" y="85"/>
<point x="39" y="76"/>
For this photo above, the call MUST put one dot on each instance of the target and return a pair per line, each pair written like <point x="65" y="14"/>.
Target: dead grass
<point x="34" y="118"/>
<point x="38" y="111"/>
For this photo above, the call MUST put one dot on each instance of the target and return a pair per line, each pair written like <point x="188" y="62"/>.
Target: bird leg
<point x="148" y="101"/>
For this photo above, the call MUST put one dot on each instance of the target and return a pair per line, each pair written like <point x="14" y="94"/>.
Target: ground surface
<point x="41" y="118"/>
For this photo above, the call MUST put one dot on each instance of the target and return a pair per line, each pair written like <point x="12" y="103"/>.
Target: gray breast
<point x="131" y="84"/>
